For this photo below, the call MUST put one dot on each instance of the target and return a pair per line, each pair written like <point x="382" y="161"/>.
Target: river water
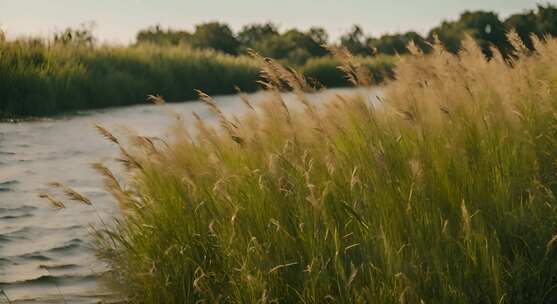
<point x="45" y="254"/>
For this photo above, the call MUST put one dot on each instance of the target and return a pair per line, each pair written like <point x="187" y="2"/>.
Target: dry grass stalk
<point x="112" y="185"/>
<point x="53" y="201"/>
<point x="156" y="99"/>
<point x="226" y="124"/>
<point x="355" y="73"/>
<point x="244" y="98"/>
<point x="550" y="244"/>
<point x="520" y="49"/>
<point x="269" y="72"/>
<point x="71" y="193"/>
<point x="106" y="134"/>
<point x="148" y="145"/>
<point x="127" y="159"/>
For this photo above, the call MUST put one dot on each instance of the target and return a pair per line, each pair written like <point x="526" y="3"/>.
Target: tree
<point x="297" y="46"/>
<point x="216" y="36"/>
<point x="547" y="19"/>
<point x="82" y="36"/>
<point x="485" y="27"/>
<point x="252" y="35"/>
<point x="397" y="43"/>
<point x="318" y="35"/>
<point x="310" y="41"/>
<point x="525" y="25"/>
<point x="354" y="41"/>
<point x="156" y="35"/>
<point x="449" y="34"/>
<point x="293" y="45"/>
<point x="542" y="22"/>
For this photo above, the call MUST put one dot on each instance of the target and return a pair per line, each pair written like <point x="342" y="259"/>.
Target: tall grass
<point x="325" y="71"/>
<point x="42" y="78"/>
<point x="443" y="192"/>
<point x="39" y="79"/>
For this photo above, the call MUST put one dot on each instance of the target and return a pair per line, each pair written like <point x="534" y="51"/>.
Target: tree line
<point x="296" y="46"/>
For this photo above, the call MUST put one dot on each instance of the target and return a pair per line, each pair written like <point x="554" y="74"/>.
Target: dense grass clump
<point x="325" y="71"/>
<point x="40" y="79"/>
<point x="443" y="192"/>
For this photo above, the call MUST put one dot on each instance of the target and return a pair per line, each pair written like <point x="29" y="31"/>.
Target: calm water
<point x="45" y="255"/>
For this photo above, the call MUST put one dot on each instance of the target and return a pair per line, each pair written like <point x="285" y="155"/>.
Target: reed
<point x="42" y="78"/>
<point x="70" y="193"/>
<point x="442" y="192"/>
<point x="52" y="200"/>
<point x="325" y="71"/>
<point x="39" y="78"/>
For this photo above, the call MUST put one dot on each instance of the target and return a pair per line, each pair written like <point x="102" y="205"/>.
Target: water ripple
<point x="6" y="185"/>
<point x="18" y="216"/>
<point x="48" y="278"/>
<point x="24" y="208"/>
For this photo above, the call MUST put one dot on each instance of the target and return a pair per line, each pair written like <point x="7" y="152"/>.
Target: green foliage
<point x="210" y="36"/>
<point x="442" y="193"/>
<point x="251" y="36"/>
<point x="157" y="35"/>
<point x="292" y="46"/>
<point x="485" y="27"/>
<point x="215" y="36"/>
<point x="489" y="31"/>
<point x="354" y="42"/>
<point x="38" y="79"/>
<point x="397" y="43"/>
<point x="71" y="72"/>
<point x="525" y="26"/>
<point x="325" y="70"/>
<point x="296" y="47"/>
<point x="547" y="16"/>
<point x="81" y="37"/>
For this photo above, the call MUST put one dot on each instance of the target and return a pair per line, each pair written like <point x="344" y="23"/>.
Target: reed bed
<point x="324" y="70"/>
<point x="441" y="192"/>
<point x="40" y="78"/>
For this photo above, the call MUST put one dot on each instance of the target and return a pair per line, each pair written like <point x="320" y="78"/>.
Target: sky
<point x="118" y="21"/>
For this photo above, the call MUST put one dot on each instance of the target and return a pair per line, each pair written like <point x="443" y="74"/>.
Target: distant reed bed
<point x="38" y="79"/>
<point x="325" y="70"/>
<point x="441" y="192"/>
<point x="42" y="78"/>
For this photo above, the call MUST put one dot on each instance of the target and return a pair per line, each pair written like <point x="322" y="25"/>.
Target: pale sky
<point x="118" y="21"/>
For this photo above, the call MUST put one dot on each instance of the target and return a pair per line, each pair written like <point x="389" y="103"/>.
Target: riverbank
<point x="39" y="79"/>
<point x="445" y="193"/>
